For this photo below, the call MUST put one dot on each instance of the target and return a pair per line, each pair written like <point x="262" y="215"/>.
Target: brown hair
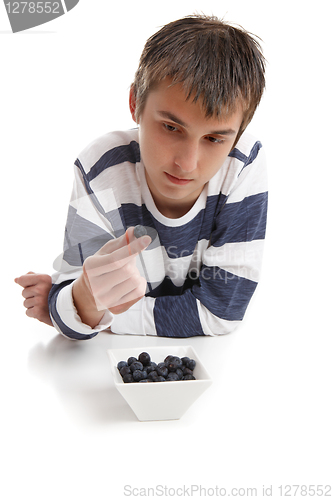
<point x="215" y="61"/>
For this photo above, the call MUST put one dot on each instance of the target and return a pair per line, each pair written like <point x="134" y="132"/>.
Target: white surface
<point x="267" y="419"/>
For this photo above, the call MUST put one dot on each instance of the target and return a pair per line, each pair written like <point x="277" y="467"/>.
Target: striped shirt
<point x="202" y="268"/>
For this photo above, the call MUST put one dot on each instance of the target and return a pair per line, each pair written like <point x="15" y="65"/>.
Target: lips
<point x="177" y="180"/>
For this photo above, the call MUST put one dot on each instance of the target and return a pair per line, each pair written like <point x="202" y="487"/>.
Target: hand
<point x="36" y="288"/>
<point x="110" y="279"/>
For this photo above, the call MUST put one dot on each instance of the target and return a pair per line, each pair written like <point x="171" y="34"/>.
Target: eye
<point x="170" y="128"/>
<point x="215" y="140"/>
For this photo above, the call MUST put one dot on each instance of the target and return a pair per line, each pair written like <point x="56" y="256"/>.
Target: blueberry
<point x="144" y="358"/>
<point x="136" y="365"/>
<point x="188" y="362"/>
<point x="127" y="378"/>
<point x="177" y="360"/>
<point x="162" y="370"/>
<point x="142" y="369"/>
<point x="139" y="231"/>
<point x="139" y="375"/>
<point x="125" y="370"/>
<point x="173" y="363"/>
<point x="153" y="375"/>
<point x="151" y="367"/>
<point x="191" y="365"/>
<point x="121" y="364"/>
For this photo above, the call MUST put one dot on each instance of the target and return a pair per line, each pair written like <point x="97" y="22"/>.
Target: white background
<point x="267" y="419"/>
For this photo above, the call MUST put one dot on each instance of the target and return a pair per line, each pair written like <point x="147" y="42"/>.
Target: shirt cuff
<point x="68" y="314"/>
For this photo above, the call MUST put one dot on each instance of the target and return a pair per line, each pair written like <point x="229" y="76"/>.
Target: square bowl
<point x="160" y="400"/>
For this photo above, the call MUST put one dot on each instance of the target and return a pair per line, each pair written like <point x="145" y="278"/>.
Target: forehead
<point x="171" y="98"/>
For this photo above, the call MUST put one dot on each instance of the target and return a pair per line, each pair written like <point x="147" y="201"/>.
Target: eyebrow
<point x="175" y="119"/>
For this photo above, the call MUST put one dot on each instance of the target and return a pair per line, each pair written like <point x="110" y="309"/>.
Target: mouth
<point x="177" y="180"/>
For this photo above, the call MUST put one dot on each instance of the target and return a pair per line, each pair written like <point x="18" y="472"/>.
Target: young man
<point x="190" y="175"/>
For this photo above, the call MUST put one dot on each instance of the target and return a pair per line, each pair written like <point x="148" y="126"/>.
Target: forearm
<point x="178" y="316"/>
<point x="65" y="317"/>
<point x="200" y="311"/>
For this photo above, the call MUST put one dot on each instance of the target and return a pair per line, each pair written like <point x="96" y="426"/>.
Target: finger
<point x="101" y="284"/>
<point x="29" y="303"/>
<point x="32" y="279"/>
<point x="126" y="251"/>
<point x="113" y="295"/>
<point x="136" y="245"/>
<point x="28" y="292"/>
<point x="123" y="292"/>
<point x="117" y="243"/>
<point x="113" y="245"/>
<point x="102" y="264"/>
<point x="28" y="279"/>
<point x="40" y="314"/>
<point x="133" y="295"/>
<point x="31" y="313"/>
<point x="126" y="241"/>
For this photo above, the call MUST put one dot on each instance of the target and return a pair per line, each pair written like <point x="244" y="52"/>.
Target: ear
<point x="132" y="103"/>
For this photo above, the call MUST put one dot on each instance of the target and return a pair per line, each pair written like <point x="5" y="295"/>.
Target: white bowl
<point x="160" y="400"/>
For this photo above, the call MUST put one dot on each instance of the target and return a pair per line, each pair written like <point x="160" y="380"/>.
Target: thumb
<point x="136" y="245"/>
<point x="21" y="278"/>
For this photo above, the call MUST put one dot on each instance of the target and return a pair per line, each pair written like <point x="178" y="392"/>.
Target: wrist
<point x="85" y="304"/>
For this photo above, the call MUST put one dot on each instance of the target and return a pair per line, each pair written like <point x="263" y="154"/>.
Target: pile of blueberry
<point x="142" y="369"/>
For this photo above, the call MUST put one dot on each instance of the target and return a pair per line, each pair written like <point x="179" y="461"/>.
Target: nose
<point x="187" y="156"/>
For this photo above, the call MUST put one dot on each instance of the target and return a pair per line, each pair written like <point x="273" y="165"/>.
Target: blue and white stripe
<point x="203" y="267"/>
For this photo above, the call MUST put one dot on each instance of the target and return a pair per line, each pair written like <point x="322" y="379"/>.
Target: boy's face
<point x="181" y="149"/>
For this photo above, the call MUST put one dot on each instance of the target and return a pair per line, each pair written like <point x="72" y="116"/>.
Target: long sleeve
<point x="87" y="230"/>
<point x="101" y="172"/>
<point x="224" y="271"/>
<point x="202" y="269"/>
